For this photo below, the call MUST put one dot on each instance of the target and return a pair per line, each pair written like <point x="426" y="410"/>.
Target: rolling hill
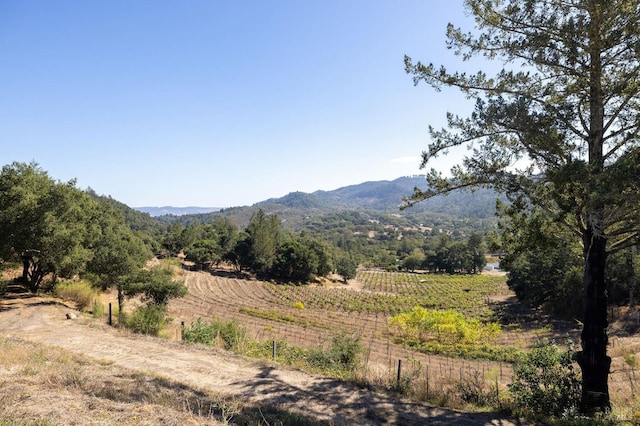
<point x="374" y="199"/>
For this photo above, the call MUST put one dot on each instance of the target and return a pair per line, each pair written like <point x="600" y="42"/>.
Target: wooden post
<point x="181" y="330"/>
<point x="427" y="378"/>
<point x="399" y="371"/>
<point x="110" y="318"/>
<point x="274" y="350"/>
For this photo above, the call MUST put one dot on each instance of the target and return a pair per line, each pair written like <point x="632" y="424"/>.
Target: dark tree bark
<point x="32" y="273"/>
<point x="593" y="359"/>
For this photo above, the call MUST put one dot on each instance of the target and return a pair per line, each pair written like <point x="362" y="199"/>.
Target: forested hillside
<point x="379" y="200"/>
<point x="362" y="225"/>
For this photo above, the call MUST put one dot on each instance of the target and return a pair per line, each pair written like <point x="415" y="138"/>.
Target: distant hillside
<point x="175" y="211"/>
<point x="387" y="196"/>
<point x="375" y="198"/>
<point x="378" y="195"/>
<point x="137" y="220"/>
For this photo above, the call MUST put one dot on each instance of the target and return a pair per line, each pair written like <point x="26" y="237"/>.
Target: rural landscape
<point x="498" y="287"/>
<point x="405" y="313"/>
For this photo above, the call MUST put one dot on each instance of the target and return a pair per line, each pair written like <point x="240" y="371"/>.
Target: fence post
<point x="274" y="350"/>
<point x="399" y="371"/>
<point x="110" y="320"/>
<point x="427" y="378"/>
<point x="181" y="330"/>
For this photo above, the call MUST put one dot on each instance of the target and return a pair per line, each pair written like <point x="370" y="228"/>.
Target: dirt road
<point x="43" y="321"/>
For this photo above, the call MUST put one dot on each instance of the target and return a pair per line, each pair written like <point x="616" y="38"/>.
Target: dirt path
<point x="43" y="321"/>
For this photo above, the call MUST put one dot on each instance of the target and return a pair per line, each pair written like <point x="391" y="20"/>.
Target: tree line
<point x="264" y="248"/>
<point x="54" y="230"/>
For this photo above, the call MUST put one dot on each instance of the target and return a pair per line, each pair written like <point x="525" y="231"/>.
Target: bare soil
<point x="325" y="400"/>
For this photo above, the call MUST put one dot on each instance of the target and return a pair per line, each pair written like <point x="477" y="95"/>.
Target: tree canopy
<point x="556" y="130"/>
<point x="42" y="223"/>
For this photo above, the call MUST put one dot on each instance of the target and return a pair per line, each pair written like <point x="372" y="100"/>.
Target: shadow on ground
<point x="336" y="402"/>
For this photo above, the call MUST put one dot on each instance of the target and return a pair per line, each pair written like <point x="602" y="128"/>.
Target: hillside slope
<point x="372" y="198"/>
<point x="326" y="400"/>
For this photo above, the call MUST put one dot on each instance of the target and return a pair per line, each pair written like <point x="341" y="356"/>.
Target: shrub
<point x="148" y="319"/>
<point x="342" y="354"/>
<point x="286" y="352"/>
<point x="545" y="381"/>
<point x="80" y="292"/>
<point x="444" y="326"/>
<point x="230" y="334"/>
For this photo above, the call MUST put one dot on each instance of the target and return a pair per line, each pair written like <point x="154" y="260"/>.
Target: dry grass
<point x="48" y="386"/>
<point x="41" y="385"/>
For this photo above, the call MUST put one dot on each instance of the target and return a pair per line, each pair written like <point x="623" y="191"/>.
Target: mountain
<point x="377" y="195"/>
<point x="387" y="196"/>
<point x="175" y="211"/>
<point x="375" y="199"/>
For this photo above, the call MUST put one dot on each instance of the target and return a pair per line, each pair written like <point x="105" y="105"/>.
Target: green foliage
<point x="118" y="253"/>
<point x="82" y="293"/>
<point x="156" y="285"/>
<point x="462" y="350"/>
<point x="203" y="252"/>
<point x="148" y="319"/>
<point x="445" y="326"/>
<point x="141" y="223"/>
<point x="346" y="267"/>
<point x="543" y="261"/>
<point x="231" y="335"/>
<point x="264" y="234"/>
<point x="394" y="293"/>
<point x="545" y="382"/>
<point x="342" y="355"/>
<point x="443" y="254"/>
<point x="294" y="262"/>
<point x="43" y="223"/>
<point x="286" y="352"/>
<point x="562" y="105"/>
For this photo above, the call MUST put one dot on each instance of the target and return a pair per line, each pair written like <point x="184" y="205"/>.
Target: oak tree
<point x="43" y="223"/>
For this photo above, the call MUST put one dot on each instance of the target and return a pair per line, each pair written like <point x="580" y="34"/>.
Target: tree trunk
<point x="31" y="273"/>
<point x="25" y="269"/>
<point x="120" y="304"/>
<point x="593" y="359"/>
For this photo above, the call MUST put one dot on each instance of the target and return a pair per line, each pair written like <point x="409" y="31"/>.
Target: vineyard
<point x="310" y="315"/>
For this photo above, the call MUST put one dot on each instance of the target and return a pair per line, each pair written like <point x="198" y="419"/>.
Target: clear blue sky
<point x="220" y="103"/>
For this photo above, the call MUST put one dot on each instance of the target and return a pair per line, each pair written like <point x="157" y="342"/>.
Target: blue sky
<point x="220" y="103"/>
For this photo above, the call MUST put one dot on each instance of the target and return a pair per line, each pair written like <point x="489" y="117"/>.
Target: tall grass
<point x="81" y="292"/>
<point x="338" y="357"/>
<point x="148" y="319"/>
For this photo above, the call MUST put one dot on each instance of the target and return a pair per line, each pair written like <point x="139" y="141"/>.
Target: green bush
<point x="230" y="334"/>
<point x="342" y="354"/>
<point x="148" y="319"/>
<point x="545" y="381"/>
<point x="286" y="352"/>
<point x="444" y="326"/>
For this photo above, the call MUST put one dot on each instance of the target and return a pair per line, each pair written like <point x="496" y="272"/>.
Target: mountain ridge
<point x="373" y="198"/>
<point x="176" y="211"/>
